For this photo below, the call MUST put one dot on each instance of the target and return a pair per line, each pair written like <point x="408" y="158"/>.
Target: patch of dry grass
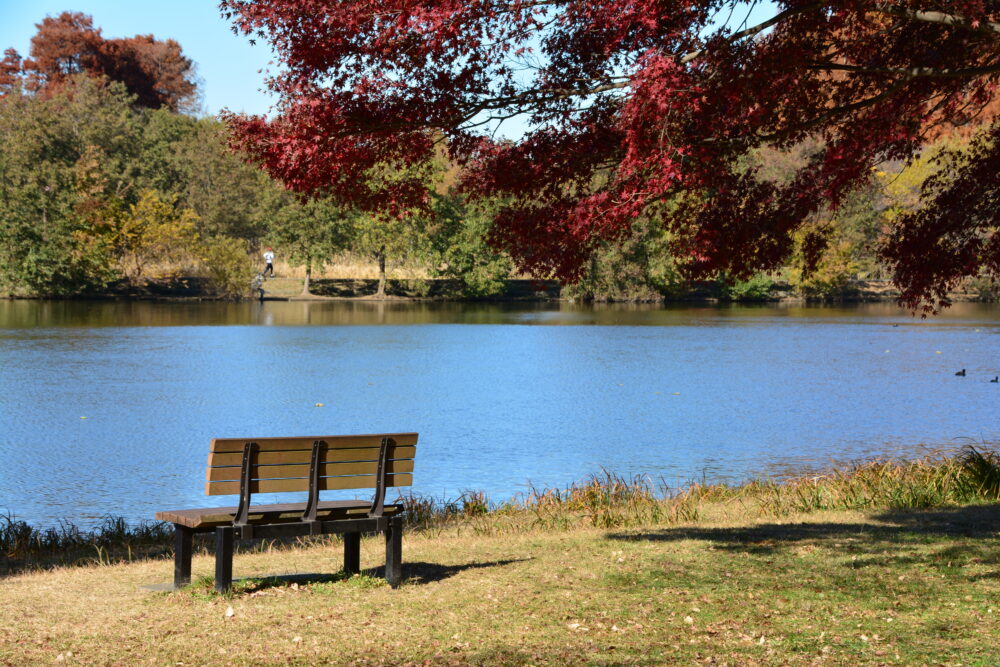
<point x="350" y="266"/>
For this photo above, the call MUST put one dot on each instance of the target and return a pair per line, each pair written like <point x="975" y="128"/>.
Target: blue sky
<point x="227" y="64"/>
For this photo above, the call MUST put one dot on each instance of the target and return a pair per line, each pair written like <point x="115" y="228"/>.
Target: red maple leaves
<point x="637" y="108"/>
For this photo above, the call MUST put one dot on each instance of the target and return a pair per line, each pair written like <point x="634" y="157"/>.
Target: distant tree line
<point x="108" y="175"/>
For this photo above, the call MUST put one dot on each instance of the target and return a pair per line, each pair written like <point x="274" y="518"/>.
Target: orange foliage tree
<point x="156" y="72"/>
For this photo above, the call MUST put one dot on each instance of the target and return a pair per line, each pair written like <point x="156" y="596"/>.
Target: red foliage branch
<point x="956" y="233"/>
<point x="638" y="107"/>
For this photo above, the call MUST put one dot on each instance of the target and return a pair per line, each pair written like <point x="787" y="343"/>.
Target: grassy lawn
<point x="823" y="587"/>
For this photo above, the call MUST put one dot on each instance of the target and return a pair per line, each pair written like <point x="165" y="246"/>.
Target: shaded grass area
<point x="603" y="501"/>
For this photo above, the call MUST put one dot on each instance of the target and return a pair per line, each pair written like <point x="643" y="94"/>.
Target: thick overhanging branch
<point x="841" y="110"/>
<point x="993" y="29"/>
<point x="531" y="98"/>
<point x="910" y="72"/>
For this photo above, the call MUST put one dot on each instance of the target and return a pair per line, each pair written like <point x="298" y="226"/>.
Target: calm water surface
<point x="107" y="408"/>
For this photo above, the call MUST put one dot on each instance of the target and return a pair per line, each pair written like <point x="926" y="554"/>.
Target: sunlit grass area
<point x="885" y="563"/>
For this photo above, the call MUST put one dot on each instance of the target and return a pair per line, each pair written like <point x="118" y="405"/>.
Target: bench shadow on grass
<point x="895" y="535"/>
<point x="413" y="573"/>
<point x="426" y="573"/>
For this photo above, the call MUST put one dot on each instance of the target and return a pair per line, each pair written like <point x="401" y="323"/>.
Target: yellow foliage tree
<point x="154" y="231"/>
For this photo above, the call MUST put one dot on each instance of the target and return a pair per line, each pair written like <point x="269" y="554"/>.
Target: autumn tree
<point x="635" y="106"/>
<point x="153" y="230"/>
<point x="156" y="72"/>
<point x="67" y="165"/>
<point x="10" y="71"/>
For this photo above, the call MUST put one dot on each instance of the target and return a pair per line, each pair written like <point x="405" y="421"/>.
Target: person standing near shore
<point x="257" y="286"/>
<point x="269" y="259"/>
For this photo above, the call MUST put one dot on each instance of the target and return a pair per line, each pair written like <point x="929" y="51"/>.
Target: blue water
<point x="107" y="408"/>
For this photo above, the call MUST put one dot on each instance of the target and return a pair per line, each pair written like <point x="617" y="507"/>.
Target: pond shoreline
<point x="194" y="289"/>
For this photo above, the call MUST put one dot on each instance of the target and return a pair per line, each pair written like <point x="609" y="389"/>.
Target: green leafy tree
<point x="831" y="247"/>
<point x="388" y="237"/>
<point x="311" y="232"/>
<point x="163" y="167"/>
<point x="189" y="157"/>
<point x="227" y="265"/>
<point x="460" y="249"/>
<point x="399" y="233"/>
<point x="637" y="267"/>
<point x="231" y="198"/>
<point x="848" y="235"/>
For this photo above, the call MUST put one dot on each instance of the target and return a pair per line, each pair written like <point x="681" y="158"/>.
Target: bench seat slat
<point x="302" y="484"/>
<point x="302" y="470"/>
<point x="210" y="517"/>
<point x="292" y="456"/>
<point x="305" y="442"/>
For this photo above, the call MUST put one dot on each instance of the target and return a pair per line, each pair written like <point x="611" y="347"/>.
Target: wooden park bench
<point x="246" y="466"/>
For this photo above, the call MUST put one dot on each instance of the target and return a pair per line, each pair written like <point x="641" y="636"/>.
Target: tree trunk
<point x="305" y="283"/>
<point x="380" y="256"/>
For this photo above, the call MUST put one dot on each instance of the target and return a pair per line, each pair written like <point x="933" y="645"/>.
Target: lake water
<point x="108" y="407"/>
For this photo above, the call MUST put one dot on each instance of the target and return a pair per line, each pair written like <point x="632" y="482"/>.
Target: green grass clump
<point x="608" y="501"/>
<point x="972" y="476"/>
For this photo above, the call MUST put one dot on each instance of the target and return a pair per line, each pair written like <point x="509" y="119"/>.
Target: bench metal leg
<point x="394" y="551"/>
<point x="182" y="555"/>
<point x="352" y="553"/>
<point x="223" y="558"/>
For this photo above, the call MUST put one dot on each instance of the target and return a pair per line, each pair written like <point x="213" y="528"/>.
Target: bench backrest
<point x="284" y="464"/>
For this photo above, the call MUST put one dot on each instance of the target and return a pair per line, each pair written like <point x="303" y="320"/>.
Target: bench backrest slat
<point x="282" y="464"/>
<point x="325" y="484"/>
<point x="305" y="442"/>
<point x="293" y="456"/>
<point x="232" y="473"/>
